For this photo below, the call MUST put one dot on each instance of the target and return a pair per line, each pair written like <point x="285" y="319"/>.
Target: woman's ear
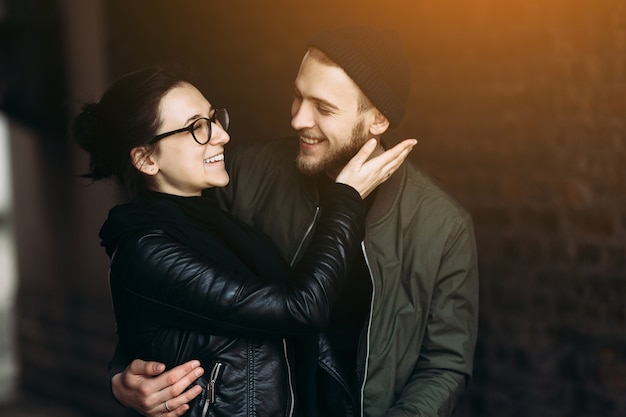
<point x="144" y="161"/>
<point x="379" y="125"/>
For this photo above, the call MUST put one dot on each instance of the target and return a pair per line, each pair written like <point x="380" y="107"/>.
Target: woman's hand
<point x="145" y="388"/>
<point x="365" y="175"/>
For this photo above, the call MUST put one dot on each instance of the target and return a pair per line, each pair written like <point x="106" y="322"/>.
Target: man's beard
<point x="333" y="161"/>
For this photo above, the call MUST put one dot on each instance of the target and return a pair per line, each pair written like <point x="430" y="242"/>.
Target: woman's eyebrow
<point x="195" y="117"/>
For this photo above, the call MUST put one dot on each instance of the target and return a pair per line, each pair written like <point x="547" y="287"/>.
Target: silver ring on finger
<point x="166" y="407"/>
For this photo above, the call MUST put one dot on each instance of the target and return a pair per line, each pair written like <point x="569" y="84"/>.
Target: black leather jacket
<point x="174" y="303"/>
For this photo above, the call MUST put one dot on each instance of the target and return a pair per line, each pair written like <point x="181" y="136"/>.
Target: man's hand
<point x="144" y="387"/>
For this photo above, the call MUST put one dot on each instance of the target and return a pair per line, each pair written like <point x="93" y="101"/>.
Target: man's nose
<point x="302" y="116"/>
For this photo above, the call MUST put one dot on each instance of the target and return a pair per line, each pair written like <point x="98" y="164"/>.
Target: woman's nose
<point x="218" y="135"/>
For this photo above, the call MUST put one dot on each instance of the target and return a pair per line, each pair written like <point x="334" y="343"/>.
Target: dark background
<point x="520" y="111"/>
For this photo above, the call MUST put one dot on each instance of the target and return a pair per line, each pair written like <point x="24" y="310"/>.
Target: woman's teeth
<point x="215" y="158"/>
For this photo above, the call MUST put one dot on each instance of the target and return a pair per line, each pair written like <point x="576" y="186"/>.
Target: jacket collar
<point x="387" y="197"/>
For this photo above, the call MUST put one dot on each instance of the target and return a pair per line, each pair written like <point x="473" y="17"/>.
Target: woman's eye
<point x="199" y="124"/>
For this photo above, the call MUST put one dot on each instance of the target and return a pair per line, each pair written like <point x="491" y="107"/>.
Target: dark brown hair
<point x="126" y="116"/>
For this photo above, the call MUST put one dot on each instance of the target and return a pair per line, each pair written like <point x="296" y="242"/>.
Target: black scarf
<point x="199" y="223"/>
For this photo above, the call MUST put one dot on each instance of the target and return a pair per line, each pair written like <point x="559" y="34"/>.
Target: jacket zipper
<point x="306" y="234"/>
<point x="369" y="330"/>
<point x="210" y="397"/>
<point x="291" y="394"/>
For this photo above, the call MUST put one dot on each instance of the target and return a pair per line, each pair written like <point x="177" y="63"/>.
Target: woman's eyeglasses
<point x="200" y="129"/>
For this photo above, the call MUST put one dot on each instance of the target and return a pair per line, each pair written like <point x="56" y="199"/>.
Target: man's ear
<point x="379" y="125"/>
<point x="143" y="160"/>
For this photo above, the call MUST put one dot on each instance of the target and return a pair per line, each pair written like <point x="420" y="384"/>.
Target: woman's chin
<point x="222" y="181"/>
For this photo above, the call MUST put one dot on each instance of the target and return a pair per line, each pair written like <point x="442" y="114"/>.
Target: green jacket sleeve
<point x="444" y="367"/>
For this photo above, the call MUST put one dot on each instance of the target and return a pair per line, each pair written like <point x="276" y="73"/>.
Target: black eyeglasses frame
<point x="220" y="115"/>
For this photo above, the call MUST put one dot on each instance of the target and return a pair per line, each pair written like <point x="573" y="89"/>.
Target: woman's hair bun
<point x="87" y="134"/>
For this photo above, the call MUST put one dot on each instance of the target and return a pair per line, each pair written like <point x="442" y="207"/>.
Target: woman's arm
<point x="183" y="288"/>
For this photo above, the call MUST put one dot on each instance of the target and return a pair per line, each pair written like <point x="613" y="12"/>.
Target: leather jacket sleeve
<point x="182" y="288"/>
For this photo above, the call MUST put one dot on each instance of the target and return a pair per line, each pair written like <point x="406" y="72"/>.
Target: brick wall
<point x="520" y="109"/>
<point x="523" y="108"/>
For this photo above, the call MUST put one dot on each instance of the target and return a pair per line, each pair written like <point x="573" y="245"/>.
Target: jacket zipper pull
<point x="211" y="395"/>
<point x="215" y="373"/>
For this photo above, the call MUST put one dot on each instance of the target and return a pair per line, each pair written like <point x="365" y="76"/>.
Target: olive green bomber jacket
<point x="417" y="356"/>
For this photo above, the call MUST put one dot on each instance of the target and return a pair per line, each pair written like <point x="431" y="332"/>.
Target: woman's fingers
<point x="394" y="157"/>
<point x="364" y="153"/>
<point x="179" y="405"/>
<point x="364" y="174"/>
<point x="177" y="382"/>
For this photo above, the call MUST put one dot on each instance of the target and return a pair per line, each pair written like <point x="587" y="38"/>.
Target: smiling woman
<point x="182" y="167"/>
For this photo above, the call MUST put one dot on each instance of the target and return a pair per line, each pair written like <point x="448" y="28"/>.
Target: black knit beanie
<point x="375" y="61"/>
